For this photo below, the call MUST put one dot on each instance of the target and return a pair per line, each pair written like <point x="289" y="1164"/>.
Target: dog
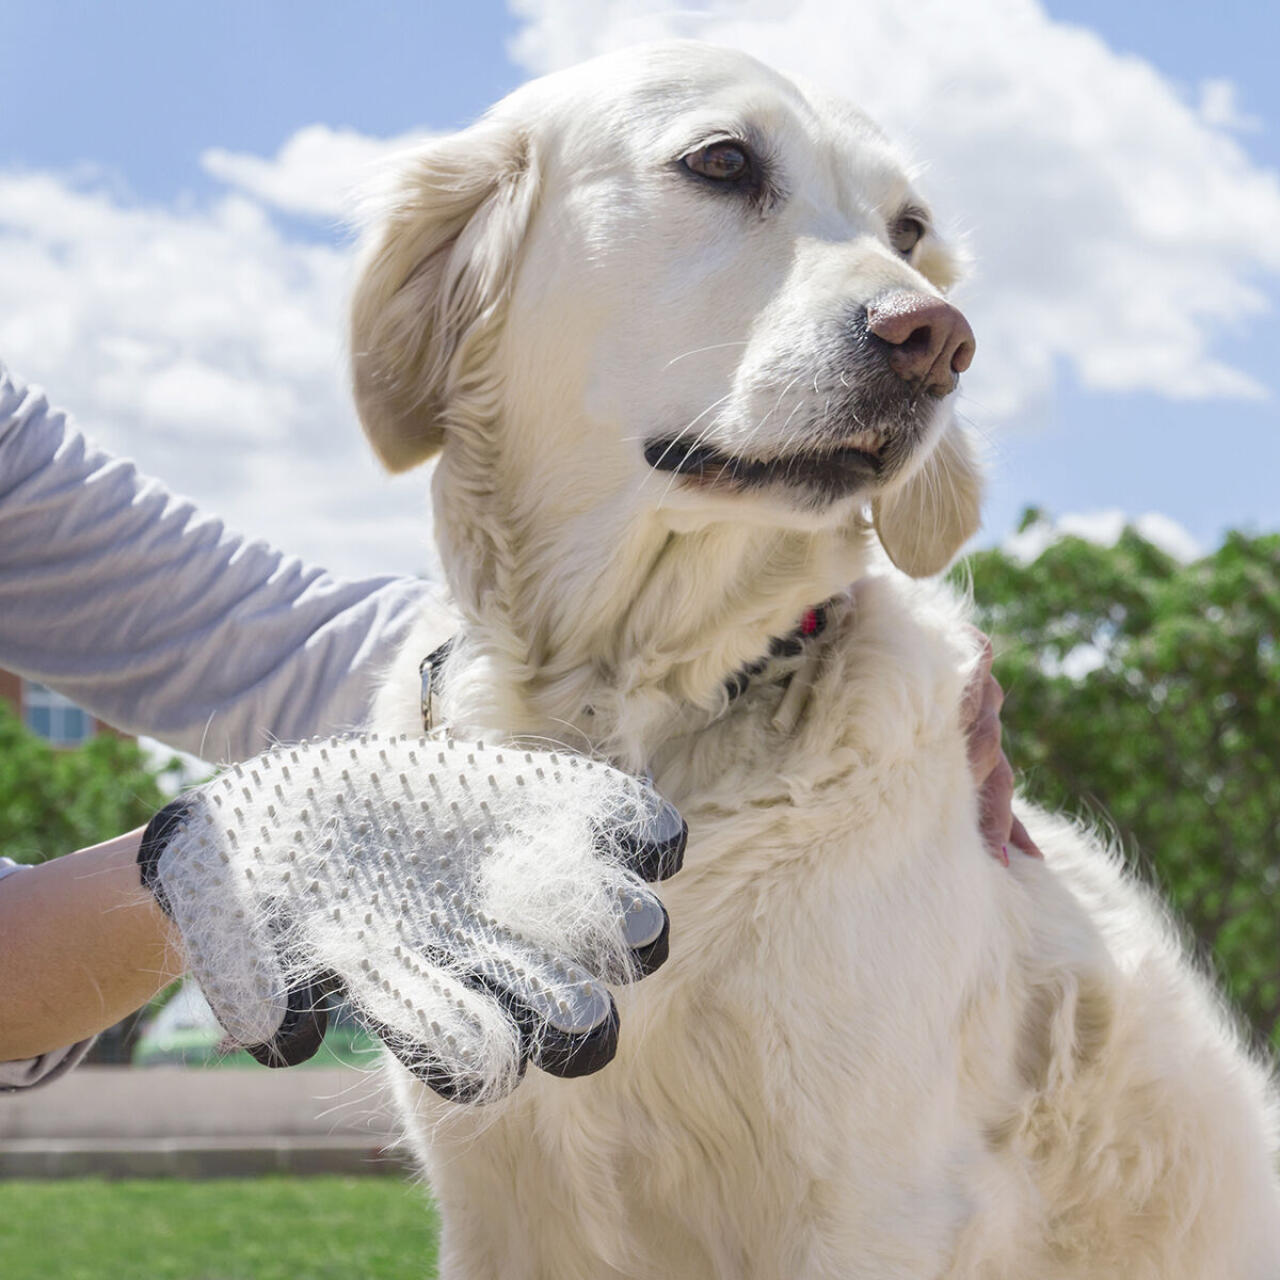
<point x="679" y="332"/>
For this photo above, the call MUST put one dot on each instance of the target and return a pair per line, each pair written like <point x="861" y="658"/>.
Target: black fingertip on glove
<point x="654" y="847"/>
<point x="555" y="1050"/>
<point x="653" y="955"/>
<point x="568" y="1055"/>
<point x="301" y="1030"/>
<point x="164" y="825"/>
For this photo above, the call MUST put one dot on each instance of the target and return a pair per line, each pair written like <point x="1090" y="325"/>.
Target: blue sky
<point x="123" y="102"/>
<point x="141" y="88"/>
<point x="1212" y="464"/>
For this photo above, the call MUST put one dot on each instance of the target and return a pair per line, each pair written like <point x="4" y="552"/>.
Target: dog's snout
<point x="929" y="340"/>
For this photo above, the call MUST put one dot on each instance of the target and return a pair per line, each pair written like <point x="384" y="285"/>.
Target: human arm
<point x="160" y="620"/>
<point x="80" y="948"/>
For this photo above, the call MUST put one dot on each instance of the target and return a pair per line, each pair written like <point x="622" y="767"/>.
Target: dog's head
<point x="668" y="283"/>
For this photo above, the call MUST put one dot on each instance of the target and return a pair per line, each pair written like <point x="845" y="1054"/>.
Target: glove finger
<point x="451" y="1079"/>
<point x="438" y="1019"/>
<point x="565" y="1019"/>
<point x="564" y="1047"/>
<point x="640" y="923"/>
<point x="301" y="1030"/>
<point x="298" y="992"/>
<point x="646" y="929"/>
<point x="648" y="835"/>
<point x="569" y="1029"/>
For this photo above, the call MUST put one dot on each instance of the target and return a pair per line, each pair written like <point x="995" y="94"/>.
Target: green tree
<point x="1145" y="693"/>
<point x="54" y="800"/>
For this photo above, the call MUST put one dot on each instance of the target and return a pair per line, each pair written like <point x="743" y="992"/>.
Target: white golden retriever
<point x="678" y="331"/>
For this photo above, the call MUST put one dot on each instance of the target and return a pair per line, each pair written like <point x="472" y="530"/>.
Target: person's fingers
<point x="980" y="716"/>
<point x="996" y="807"/>
<point x="993" y="694"/>
<point x="1021" y="840"/>
<point x="981" y="720"/>
<point x="984" y="745"/>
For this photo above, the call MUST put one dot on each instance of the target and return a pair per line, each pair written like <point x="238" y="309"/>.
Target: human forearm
<point x="81" y="945"/>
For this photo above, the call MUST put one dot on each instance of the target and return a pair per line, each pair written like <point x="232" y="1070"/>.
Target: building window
<point x="54" y="717"/>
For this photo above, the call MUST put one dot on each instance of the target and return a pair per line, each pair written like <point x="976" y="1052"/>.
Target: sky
<point x="173" y="262"/>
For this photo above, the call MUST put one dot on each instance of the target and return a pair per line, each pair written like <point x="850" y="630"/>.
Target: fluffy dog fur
<point x="874" y="1052"/>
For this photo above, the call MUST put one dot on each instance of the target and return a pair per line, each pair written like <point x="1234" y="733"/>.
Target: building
<point x="49" y="714"/>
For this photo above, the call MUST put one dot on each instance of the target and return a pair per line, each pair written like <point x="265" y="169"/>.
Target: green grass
<point x="233" y="1229"/>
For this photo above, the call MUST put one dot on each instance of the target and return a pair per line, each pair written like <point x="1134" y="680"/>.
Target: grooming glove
<point x="470" y="903"/>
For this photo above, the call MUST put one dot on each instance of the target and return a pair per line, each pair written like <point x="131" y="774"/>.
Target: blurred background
<point x="174" y="257"/>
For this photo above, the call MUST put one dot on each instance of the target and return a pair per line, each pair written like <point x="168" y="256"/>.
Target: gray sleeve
<point x="48" y="1066"/>
<point x="158" y="619"/>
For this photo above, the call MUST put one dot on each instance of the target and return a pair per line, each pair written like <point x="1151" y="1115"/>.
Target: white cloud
<point x="1219" y="107"/>
<point x="1118" y="229"/>
<point x="1103" y="529"/>
<point x="318" y="172"/>
<point x="206" y="344"/>
<point x="1167" y="534"/>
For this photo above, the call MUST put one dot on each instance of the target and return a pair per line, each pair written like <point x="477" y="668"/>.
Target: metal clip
<point x="425" y="669"/>
<point x="428" y="670"/>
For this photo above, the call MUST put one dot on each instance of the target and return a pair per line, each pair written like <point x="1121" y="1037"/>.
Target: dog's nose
<point x="929" y="340"/>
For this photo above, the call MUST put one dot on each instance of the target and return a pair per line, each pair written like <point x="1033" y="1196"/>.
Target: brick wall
<point x="11" y="691"/>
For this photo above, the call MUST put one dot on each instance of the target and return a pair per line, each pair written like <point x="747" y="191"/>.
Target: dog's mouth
<point x="829" y="473"/>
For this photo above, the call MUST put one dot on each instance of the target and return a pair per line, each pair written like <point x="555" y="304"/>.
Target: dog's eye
<point x="720" y="161"/>
<point x="906" y="232"/>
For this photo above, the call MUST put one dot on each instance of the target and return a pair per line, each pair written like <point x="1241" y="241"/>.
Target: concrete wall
<point x="172" y="1121"/>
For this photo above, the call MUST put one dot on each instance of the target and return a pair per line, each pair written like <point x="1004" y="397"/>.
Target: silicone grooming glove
<point x="469" y="902"/>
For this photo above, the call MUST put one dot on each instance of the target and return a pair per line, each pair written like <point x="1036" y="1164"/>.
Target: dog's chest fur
<point x="806" y="1016"/>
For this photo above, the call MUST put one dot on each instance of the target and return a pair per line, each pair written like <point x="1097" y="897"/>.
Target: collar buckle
<point x="430" y="670"/>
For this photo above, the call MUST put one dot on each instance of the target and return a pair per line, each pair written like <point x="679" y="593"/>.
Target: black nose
<point x="929" y="340"/>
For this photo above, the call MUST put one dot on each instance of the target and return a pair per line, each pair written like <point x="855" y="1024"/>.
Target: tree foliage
<point x="1145" y="692"/>
<point x="54" y="800"/>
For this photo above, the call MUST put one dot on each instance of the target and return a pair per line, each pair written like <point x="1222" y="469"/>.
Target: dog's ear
<point x="926" y="521"/>
<point x="432" y="280"/>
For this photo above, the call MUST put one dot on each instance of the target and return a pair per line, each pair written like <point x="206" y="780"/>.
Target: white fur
<point x="874" y="1052"/>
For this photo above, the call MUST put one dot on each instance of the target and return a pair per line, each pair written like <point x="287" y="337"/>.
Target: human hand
<point x="469" y="902"/>
<point x="980" y="715"/>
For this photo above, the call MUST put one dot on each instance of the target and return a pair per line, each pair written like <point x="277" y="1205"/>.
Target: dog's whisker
<point x="698" y="440"/>
<point x="715" y="404"/>
<point x="697" y="351"/>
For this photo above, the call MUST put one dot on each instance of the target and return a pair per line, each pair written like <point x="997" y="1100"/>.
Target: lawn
<point x="233" y="1229"/>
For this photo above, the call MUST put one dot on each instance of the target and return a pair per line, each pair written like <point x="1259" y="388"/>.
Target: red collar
<point x="813" y="622"/>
